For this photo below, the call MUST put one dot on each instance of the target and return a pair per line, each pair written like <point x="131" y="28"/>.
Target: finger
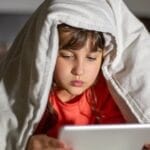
<point x="146" y="147"/>
<point x="64" y="148"/>
<point x="59" y="145"/>
<point x="56" y="143"/>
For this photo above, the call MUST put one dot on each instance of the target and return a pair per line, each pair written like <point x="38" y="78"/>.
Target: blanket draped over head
<point x="26" y="72"/>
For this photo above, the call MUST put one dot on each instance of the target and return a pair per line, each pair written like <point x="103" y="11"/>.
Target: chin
<point x="76" y="92"/>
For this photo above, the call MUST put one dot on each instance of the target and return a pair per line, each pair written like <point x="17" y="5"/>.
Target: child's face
<point x="77" y="70"/>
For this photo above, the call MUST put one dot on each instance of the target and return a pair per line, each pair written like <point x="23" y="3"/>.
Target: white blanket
<point x="26" y="73"/>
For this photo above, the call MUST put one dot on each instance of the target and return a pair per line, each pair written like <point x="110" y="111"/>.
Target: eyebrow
<point x="99" y="50"/>
<point x="69" y="50"/>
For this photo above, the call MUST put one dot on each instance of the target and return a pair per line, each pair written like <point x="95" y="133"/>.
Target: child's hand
<point x="41" y="142"/>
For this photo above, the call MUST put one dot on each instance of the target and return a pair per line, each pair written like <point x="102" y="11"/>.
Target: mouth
<point x="77" y="83"/>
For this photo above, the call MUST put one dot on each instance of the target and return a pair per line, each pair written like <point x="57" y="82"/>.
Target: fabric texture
<point x="26" y="72"/>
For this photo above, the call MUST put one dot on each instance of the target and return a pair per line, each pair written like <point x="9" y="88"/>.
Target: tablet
<point x="106" y="137"/>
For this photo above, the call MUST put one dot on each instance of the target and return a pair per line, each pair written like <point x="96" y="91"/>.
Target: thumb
<point x="56" y="143"/>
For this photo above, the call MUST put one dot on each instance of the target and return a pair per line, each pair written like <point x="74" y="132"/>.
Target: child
<point x="79" y="94"/>
<point x="61" y="65"/>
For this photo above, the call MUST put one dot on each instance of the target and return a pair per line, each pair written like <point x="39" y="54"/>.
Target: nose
<point x="78" y="68"/>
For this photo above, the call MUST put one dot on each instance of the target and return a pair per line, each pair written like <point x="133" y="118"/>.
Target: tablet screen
<point x="106" y="137"/>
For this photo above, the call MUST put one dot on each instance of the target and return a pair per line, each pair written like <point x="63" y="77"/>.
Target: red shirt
<point x="78" y="111"/>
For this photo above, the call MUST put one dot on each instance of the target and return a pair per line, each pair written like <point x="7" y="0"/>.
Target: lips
<point x="77" y="83"/>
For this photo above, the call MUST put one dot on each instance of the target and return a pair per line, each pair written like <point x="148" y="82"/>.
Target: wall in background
<point x="19" y="6"/>
<point x="139" y="7"/>
<point x="10" y="24"/>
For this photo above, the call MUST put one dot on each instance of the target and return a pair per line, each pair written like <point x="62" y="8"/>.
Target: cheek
<point x="93" y="71"/>
<point x="61" y="70"/>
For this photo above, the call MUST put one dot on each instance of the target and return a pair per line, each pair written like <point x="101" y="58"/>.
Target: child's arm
<point x="40" y="142"/>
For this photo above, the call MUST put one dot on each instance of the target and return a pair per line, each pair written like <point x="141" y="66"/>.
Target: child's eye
<point x="67" y="56"/>
<point x="91" y="58"/>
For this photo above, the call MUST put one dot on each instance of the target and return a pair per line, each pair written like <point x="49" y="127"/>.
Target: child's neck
<point x="65" y="96"/>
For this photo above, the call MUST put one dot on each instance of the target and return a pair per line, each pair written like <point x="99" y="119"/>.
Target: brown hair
<point x="75" y="38"/>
